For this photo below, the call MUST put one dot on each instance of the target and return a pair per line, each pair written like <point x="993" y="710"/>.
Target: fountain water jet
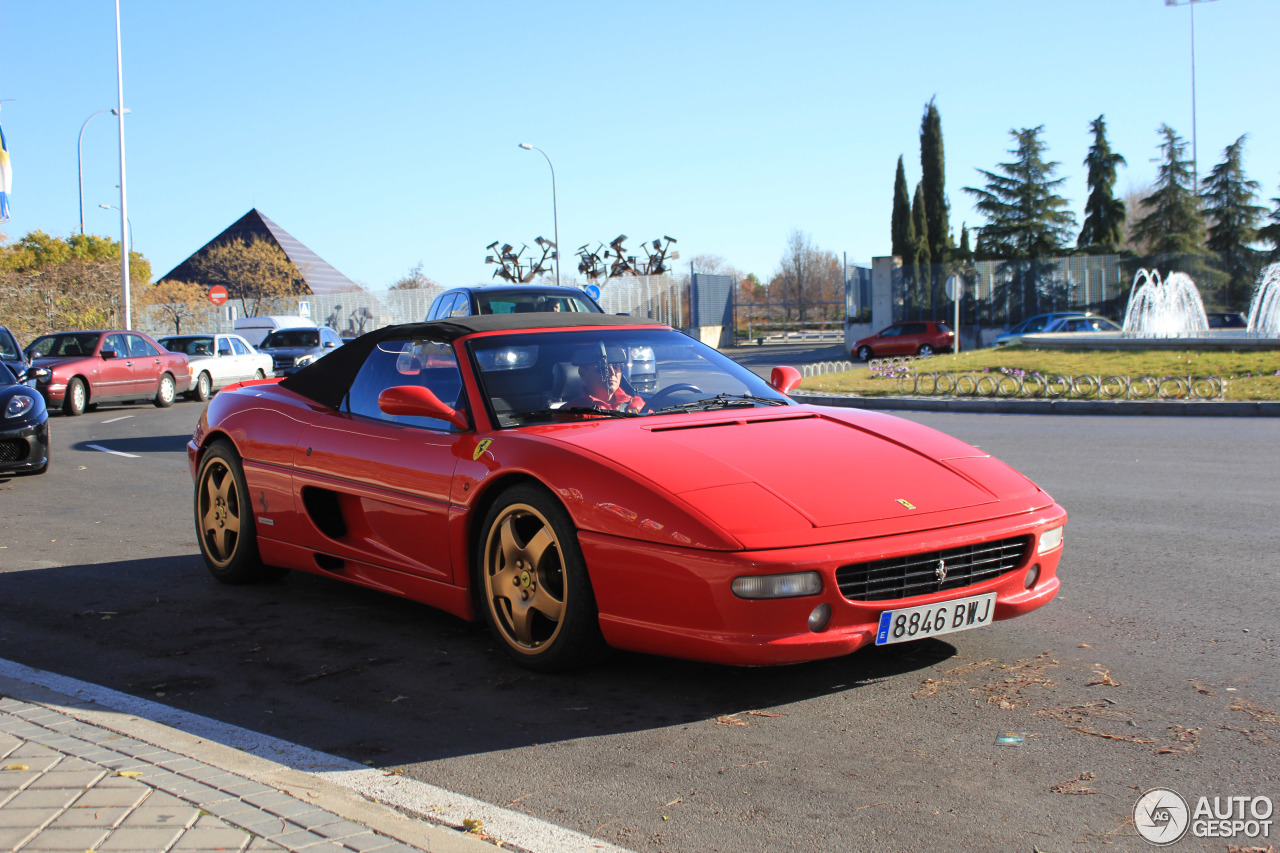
<point x="1264" y="310"/>
<point x="1164" y="309"/>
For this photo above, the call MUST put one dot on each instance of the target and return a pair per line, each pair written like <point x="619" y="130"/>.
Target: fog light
<point x="1049" y="540"/>
<point x="1033" y="575"/>
<point x="819" y="618"/>
<point x="778" y="586"/>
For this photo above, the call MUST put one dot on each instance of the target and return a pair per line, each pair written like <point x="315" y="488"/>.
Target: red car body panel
<point x="669" y="510"/>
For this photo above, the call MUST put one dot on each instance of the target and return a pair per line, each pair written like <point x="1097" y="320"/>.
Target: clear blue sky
<point x="384" y="133"/>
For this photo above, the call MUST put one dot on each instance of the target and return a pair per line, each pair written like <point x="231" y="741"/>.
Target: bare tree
<point x="807" y="276"/>
<point x="414" y="280"/>
<point x="1135" y="209"/>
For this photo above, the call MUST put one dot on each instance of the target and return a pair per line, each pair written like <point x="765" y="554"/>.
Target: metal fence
<point x="657" y="297"/>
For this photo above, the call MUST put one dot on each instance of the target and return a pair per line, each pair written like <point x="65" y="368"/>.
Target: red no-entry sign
<point x="218" y="295"/>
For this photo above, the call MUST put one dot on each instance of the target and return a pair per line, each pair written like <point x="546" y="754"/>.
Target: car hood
<point x="52" y="362"/>
<point x="804" y="475"/>
<point x="293" y="351"/>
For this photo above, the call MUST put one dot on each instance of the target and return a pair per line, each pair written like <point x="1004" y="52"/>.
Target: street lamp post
<point x="1191" y="4"/>
<point x="555" y="216"/>
<point x="126" y="219"/>
<point x="80" y="160"/>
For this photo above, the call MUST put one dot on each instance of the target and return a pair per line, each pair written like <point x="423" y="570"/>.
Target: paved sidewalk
<point x="72" y="779"/>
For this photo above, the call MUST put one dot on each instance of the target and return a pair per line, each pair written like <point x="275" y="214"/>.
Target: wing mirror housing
<point x="785" y="378"/>
<point x="416" y="401"/>
<point x="110" y="353"/>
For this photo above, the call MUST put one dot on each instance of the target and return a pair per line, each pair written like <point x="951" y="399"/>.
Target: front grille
<point x="13" y="450"/>
<point x="283" y="361"/>
<point x="917" y="574"/>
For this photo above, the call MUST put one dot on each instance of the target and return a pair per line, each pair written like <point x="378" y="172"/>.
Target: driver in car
<point x="600" y="369"/>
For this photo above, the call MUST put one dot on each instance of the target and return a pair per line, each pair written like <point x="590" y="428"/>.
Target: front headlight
<point x="304" y="360"/>
<point x="778" y="586"/>
<point x="1049" y="540"/>
<point x="18" y="405"/>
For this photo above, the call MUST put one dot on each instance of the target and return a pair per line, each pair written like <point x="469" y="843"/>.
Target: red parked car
<point x="463" y="464"/>
<point x="77" y="369"/>
<point x="914" y="337"/>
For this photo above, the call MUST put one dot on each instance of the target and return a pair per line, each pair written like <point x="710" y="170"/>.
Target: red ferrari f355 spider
<point x="501" y="467"/>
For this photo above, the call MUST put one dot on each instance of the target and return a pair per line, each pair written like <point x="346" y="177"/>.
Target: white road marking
<point x="121" y="418"/>
<point x="425" y="801"/>
<point x="112" y="452"/>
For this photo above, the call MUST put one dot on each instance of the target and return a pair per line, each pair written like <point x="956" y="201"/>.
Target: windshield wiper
<point x="721" y="401"/>
<point x="571" y="410"/>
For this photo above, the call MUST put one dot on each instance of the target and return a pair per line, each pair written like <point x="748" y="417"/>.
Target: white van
<point x="255" y="329"/>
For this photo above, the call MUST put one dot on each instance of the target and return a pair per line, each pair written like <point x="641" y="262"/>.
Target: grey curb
<point x="987" y="405"/>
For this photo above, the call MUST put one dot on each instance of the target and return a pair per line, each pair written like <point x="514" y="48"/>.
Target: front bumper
<point x="25" y="448"/>
<point x="678" y="602"/>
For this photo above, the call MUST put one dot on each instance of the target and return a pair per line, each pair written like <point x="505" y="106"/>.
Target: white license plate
<point x="930" y="620"/>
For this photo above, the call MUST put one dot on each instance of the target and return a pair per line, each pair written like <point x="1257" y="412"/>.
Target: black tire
<point x="166" y="392"/>
<point x="532" y="585"/>
<point x="864" y="353"/>
<point x="225" y="527"/>
<point x="259" y="374"/>
<point x="925" y="349"/>
<point x="77" y="397"/>
<point x="203" y="390"/>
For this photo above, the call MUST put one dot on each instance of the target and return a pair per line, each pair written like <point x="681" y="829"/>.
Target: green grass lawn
<point x="1252" y="375"/>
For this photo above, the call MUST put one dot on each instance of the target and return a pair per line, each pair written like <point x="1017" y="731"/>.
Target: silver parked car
<point x="218" y="360"/>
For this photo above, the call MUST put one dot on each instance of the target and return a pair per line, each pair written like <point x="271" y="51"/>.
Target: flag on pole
<point x="6" y="178"/>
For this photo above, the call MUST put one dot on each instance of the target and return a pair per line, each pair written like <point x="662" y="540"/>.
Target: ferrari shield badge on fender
<point x="908" y="504"/>
<point x="480" y="449"/>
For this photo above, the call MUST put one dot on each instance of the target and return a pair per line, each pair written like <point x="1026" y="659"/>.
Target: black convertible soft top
<point x="327" y="379"/>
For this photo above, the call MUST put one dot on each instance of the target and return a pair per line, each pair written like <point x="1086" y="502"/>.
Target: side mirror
<point x="785" y="378"/>
<point x="224" y="352"/>
<point x="329" y="344"/>
<point x="110" y="353"/>
<point x="419" y="402"/>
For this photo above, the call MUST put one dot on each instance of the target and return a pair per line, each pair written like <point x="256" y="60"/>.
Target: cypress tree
<point x="1103" y="227"/>
<point x="933" y="174"/>
<point x="920" y="255"/>
<point x="902" y="235"/>
<point x="1228" y="202"/>
<point x="1270" y="233"/>
<point x="1175" y="224"/>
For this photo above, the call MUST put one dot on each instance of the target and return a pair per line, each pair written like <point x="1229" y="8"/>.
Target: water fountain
<point x="1165" y="309"/>
<point x="1264" y="310"/>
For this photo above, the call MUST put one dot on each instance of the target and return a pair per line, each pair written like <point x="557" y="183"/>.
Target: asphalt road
<point x="1156" y="665"/>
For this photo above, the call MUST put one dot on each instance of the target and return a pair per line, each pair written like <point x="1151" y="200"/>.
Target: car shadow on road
<point x="367" y="676"/>
<point x="137" y="444"/>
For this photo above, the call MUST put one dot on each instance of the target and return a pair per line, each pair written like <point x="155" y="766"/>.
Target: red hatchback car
<point x="76" y="369"/>
<point x="922" y="337"/>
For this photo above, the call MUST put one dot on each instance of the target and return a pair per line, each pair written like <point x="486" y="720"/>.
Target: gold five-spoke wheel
<point x="533" y="585"/>
<point x="219" y="512"/>
<point x="224" y="519"/>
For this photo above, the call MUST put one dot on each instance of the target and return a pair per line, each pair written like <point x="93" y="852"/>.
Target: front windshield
<point x="8" y="346"/>
<point x="64" y="344"/>
<point x="570" y="375"/>
<point x="292" y="339"/>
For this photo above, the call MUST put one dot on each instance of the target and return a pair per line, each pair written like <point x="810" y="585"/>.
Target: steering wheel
<point x="660" y="398"/>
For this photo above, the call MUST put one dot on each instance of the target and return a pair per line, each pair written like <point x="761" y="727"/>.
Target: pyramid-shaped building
<point x="321" y="277"/>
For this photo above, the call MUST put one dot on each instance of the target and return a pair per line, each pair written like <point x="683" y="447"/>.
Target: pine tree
<point x="933" y="174"/>
<point x="1174" y="225"/>
<point x="1103" y="228"/>
<point x="903" y="238"/>
<point x="1026" y="218"/>
<point x="1228" y="203"/>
